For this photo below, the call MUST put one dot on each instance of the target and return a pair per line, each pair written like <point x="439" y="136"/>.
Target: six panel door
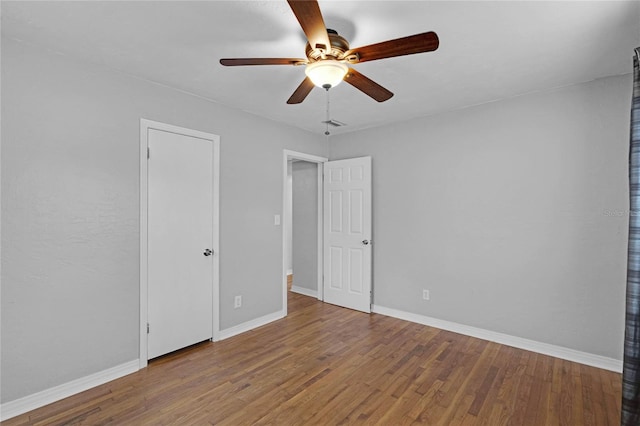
<point x="347" y="233"/>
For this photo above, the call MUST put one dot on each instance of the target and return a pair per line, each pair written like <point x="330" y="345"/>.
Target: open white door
<point x="347" y="233"/>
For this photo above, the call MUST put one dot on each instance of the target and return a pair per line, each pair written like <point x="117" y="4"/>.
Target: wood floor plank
<point x="543" y="409"/>
<point x="325" y="365"/>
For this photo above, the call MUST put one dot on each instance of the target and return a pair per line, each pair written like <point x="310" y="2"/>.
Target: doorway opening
<point x="302" y="231"/>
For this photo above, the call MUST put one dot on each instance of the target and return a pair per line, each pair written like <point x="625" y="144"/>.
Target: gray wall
<point x="70" y="212"/>
<point x="305" y="224"/>
<point x="513" y="214"/>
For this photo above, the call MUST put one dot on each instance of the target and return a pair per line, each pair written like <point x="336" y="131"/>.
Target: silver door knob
<point x="207" y="252"/>
<point x="365" y="242"/>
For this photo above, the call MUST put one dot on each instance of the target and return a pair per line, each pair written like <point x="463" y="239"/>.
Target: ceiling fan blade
<point x="367" y="86"/>
<point x="310" y="19"/>
<point x="301" y="92"/>
<point x="262" y="61"/>
<point x="418" y="43"/>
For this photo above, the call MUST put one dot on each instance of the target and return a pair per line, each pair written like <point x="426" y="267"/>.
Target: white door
<point x="347" y="233"/>
<point x="180" y="233"/>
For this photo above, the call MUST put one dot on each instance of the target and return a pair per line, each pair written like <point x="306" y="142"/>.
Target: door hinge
<point x="148" y="152"/>
<point x="147" y="328"/>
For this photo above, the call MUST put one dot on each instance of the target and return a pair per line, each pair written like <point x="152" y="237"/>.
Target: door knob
<point x="207" y="252"/>
<point x="365" y="242"/>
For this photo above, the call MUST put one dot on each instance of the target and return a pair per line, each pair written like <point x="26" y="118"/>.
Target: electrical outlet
<point x="425" y="295"/>
<point x="237" y="302"/>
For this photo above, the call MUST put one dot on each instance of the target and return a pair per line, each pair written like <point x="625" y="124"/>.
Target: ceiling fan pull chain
<point x="326" y="132"/>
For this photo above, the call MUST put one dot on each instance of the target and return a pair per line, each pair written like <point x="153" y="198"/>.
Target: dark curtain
<point x="631" y="368"/>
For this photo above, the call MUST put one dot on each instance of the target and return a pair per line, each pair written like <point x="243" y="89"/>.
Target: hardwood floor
<point x="328" y="365"/>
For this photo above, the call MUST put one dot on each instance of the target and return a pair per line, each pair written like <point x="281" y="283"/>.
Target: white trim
<point x="506" y="339"/>
<point x="40" y="399"/>
<point x="216" y="240"/>
<point x="144" y="183"/>
<point x="304" y="291"/>
<point x="293" y="155"/>
<point x="250" y="325"/>
<point x="320" y="279"/>
<point x="145" y="125"/>
<point x="289" y="271"/>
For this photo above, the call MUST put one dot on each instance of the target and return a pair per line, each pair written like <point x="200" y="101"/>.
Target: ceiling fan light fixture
<point x="326" y="73"/>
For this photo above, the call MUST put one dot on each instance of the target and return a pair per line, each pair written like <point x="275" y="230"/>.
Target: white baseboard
<point x="304" y="291"/>
<point x="250" y="325"/>
<point x="505" y="339"/>
<point x="31" y="402"/>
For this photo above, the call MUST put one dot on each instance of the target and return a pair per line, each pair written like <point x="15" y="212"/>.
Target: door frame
<point x="294" y="155"/>
<point x="145" y="126"/>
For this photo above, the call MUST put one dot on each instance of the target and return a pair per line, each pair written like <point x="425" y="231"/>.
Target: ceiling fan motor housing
<point x="339" y="45"/>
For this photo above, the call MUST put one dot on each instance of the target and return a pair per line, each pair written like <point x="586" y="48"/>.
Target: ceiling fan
<point x="329" y="56"/>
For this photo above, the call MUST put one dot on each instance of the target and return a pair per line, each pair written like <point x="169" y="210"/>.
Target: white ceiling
<point x="489" y="50"/>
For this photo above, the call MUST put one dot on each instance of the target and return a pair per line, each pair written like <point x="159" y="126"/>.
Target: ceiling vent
<point x="334" y="123"/>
